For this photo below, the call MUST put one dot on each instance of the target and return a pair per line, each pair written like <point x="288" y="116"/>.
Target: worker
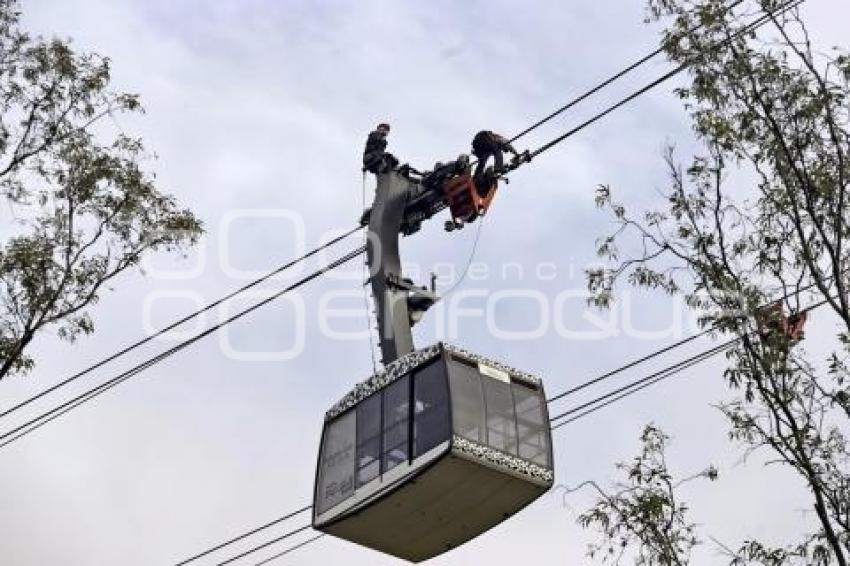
<point x="375" y="157"/>
<point x="443" y="171"/>
<point x="771" y="321"/>
<point x="486" y="144"/>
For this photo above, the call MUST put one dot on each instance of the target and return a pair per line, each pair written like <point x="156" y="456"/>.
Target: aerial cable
<point x="44" y="418"/>
<point x="265" y="544"/>
<point x="664" y="350"/>
<point x="245" y="535"/>
<point x="640" y="385"/>
<point x="627" y="366"/>
<point x="666" y="372"/>
<point x="177" y="323"/>
<point x="538" y="151"/>
<point x="252" y="284"/>
<point x="290" y="549"/>
<point x="663" y="78"/>
<point x="656" y="377"/>
<point x="587" y="94"/>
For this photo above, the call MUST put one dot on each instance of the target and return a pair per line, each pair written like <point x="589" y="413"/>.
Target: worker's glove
<point x="519" y="159"/>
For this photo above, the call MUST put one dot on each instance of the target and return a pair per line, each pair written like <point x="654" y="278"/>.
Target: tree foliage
<point x="84" y="208"/>
<point x="644" y="513"/>
<point x="760" y="214"/>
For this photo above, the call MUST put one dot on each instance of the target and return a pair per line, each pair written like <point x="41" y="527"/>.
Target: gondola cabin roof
<point x="441" y="446"/>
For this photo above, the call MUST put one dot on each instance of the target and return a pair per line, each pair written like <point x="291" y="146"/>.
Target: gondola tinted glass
<point x="467" y="401"/>
<point x="368" y="439"/>
<point x="336" y="469"/>
<point x="501" y="417"/>
<point x="396" y="424"/>
<point x="430" y="408"/>
<point x="532" y="424"/>
<point x="504" y="414"/>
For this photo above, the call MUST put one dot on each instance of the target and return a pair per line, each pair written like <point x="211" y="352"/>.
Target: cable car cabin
<point x="437" y="449"/>
<point x="466" y="202"/>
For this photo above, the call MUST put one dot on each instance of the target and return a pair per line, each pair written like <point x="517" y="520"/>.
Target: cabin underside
<point x="454" y="500"/>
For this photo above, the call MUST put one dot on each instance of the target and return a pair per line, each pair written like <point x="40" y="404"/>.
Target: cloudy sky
<point x="257" y="111"/>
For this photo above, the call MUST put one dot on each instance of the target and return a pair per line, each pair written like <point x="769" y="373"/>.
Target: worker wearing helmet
<point x="375" y="157"/>
<point x="484" y="145"/>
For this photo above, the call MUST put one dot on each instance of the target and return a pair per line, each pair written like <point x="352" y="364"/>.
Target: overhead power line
<point x="177" y="323"/>
<point x="36" y="423"/>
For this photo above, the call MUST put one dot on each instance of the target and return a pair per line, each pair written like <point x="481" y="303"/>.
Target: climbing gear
<point x="466" y="200"/>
